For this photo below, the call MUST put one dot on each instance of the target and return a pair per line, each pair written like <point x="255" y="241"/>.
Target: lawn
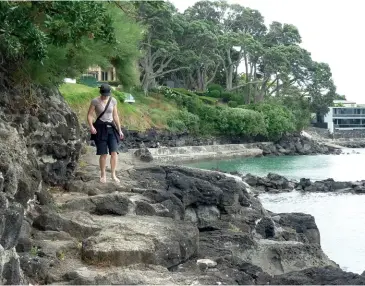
<point x="146" y="112"/>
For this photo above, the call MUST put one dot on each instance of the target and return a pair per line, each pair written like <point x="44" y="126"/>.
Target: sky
<point x="332" y="31"/>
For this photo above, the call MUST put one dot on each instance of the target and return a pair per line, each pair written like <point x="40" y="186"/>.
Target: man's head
<point x="105" y="90"/>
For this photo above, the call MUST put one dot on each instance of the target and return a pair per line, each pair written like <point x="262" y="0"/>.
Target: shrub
<point x="232" y="103"/>
<point x="241" y="122"/>
<point x="190" y="120"/>
<point x="209" y="119"/>
<point x="191" y="103"/>
<point x="184" y="121"/>
<point x="278" y="119"/>
<point x="119" y="95"/>
<point x="171" y="94"/>
<point x="114" y="83"/>
<point x="176" y="125"/>
<point x="214" y="93"/>
<point x="228" y="96"/>
<point x="201" y="93"/>
<point x="184" y="91"/>
<point x="215" y="87"/>
<point x="300" y="109"/>
<point x="209" y="100"/>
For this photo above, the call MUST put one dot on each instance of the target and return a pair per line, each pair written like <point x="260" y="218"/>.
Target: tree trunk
<point x="204" y="78"/>
<point x="247" y="88"/>
<point x="229" y="71"/>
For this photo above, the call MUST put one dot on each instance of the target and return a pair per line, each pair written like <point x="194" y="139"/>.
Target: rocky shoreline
<point x="291" y="144"/>
<point x="171" y="225"/>
<point x="274" y="183"/>
<point x="355" y="144"/>
<point x="297" y="145"/>
<point x="161" y="225"/>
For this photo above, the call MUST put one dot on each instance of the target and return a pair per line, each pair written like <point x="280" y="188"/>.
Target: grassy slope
<point x="147" y="112"/>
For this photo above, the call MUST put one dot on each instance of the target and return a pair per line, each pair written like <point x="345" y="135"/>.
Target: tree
<point x="321" y="89"/>
<point x="125" y="55"/>
<point x="39" y="39"/>
<point x="340" y="97"/>
<point x="162" y="28"/>
<point x="44" y="42"/>
<point x="249" y="25"/>
<point x="201" y="56"/>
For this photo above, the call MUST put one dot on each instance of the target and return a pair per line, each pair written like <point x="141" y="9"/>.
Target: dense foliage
<point x="150" y="43"/>
<point x="230" y="36"/>
<point x="278" y="119"/>
<point x="44" y="42"/>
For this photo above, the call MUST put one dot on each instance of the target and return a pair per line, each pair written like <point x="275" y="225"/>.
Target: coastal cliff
<point x="39" y="147"/>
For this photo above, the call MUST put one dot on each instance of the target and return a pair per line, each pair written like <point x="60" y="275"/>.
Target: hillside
<point x="147" y="112"/>
<point x="180" y="110"/>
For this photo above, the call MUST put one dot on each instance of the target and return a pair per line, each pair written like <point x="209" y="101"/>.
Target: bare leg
<point x="113" y="164"/>
<point x="102" y="164"/>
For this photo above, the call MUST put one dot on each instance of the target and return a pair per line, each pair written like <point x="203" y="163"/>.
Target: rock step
<point x="119" y="251"/>
<point x="87" y="184"/>
<point x="79" y="225"/>
<point x="121" y="241"/>
<point x="141" y="274"/>
<point x="112" y="204"/>
<point x="106" y="204"/>
<point x="141" y="239"/>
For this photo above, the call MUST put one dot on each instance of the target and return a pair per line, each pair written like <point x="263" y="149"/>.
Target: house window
<point x="104" y="76"/>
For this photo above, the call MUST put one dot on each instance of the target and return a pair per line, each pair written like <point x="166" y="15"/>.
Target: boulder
<point x="206" y="263"/>
<point x="303" y="224"/>
<point x="143" y="154"/>
<point x="266" y="227"/>
<point x="278" y="181"/>
<point x="272" y="183"/>
<point x="319" y="276"/>
<point x="278" y="257"/>
<point x="207" y="216"/>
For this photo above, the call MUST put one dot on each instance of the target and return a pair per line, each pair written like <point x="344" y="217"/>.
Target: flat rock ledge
<point x="170" y="225"/>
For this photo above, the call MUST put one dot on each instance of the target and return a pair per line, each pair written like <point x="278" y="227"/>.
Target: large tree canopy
<point x="45" y="41"/>
<point x="150" y="41"/>
<point x="211" y="39"/>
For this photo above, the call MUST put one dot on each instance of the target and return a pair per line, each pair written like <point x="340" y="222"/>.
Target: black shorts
<point x="111" y="143"/>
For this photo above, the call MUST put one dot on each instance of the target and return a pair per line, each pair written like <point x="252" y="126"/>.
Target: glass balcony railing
<point x="359" y="126"/>
<point x="348" y="115"/>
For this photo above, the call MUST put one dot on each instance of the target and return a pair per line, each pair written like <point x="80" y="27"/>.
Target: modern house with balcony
<point x="346" y="117"/>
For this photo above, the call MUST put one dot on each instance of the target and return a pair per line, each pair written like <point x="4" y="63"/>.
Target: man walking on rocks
<point x="105" y="131"/>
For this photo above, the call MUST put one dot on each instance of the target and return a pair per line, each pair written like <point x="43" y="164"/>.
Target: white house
<point x="348" y="116"/>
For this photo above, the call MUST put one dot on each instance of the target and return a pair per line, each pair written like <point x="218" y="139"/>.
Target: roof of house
<point x="344" y="101"/>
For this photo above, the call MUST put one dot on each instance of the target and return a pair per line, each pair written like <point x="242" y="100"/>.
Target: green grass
<point x="146" y="112"/>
